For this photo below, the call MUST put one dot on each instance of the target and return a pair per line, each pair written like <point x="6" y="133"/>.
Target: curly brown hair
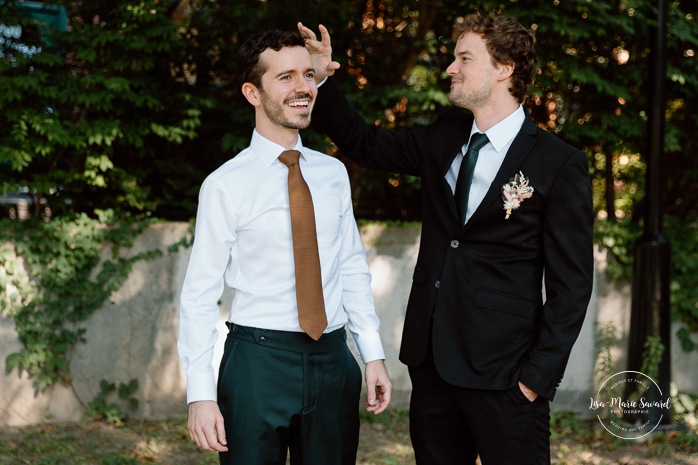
<point x="507" y="42"/>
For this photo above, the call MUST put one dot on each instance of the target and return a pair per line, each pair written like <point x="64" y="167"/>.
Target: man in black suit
<point x="500" y="288"/>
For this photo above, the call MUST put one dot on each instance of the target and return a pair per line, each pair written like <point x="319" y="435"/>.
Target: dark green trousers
<point x="281" y="392"/>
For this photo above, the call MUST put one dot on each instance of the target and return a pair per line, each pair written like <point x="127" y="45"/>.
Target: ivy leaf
<point x="11" y="362"/>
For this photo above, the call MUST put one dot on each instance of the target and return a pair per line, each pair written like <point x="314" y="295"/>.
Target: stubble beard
<point x="275" y="112"/>
<point x="471" y="100"/>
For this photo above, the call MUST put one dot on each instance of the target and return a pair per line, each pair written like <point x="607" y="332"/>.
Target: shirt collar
<point x="267" y="151"/>
<point x="503" y="132"/>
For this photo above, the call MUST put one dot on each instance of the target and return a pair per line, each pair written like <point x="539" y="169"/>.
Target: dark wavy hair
<point x="508" y="42"/>
<point x="249" y="65"/>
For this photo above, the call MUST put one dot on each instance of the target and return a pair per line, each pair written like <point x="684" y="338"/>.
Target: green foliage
<point x="565" y="425"/>
<point x="391" y="418"/>
<point x="58" y="283"/>
<point x="683" y="237"/>
<point x="102" y="408"/>
<point x="91" y="118"/>
<point x="133" y="106"/>
<point x="50" y="461"/>
<point x="117" y="459"/>
<point x="653" y="348"/>
<point x="605" y="339"/>
<point x="618" y="239"/>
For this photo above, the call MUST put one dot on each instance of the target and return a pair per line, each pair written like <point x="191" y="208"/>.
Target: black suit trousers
<point x="451" y="425"/>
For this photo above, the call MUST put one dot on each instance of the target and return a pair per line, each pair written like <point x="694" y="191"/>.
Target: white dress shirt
<point x="243" y="236"/>
<point x="490" y="158"/>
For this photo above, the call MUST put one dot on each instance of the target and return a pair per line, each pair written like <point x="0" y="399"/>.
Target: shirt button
<point x="455" y="244"/>
<point x="262" y="339"/>
<point x="437" y="284"/>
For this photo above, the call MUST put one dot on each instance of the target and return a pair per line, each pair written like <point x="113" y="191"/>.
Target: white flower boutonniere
<point x="515" y="192"/>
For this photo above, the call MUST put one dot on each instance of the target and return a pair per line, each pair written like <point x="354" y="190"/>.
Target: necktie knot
<point x="289" y="157"/>
<point x="477" y="141"/>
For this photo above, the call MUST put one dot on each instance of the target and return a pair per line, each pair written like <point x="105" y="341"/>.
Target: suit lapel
<point x="520" y="147"/>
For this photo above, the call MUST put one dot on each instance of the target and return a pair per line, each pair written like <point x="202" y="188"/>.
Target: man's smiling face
<point x="288" y="87"/>
<point x="473" y="74"/>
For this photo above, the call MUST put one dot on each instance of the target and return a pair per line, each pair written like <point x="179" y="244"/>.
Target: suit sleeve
<point x="568" y="257"/>
<point x="369" y="146"/>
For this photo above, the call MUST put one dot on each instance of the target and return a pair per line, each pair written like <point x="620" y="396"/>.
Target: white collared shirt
<point x="243" y="235"/>
<point x="490" y="158"/>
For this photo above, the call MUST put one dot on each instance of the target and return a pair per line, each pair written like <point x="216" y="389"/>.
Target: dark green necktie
<point x="465" y="174"/>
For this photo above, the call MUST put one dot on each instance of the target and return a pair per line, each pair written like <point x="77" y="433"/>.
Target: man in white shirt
<point x="279" y="390"/>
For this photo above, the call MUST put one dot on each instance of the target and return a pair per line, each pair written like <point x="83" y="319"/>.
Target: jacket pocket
<point x="506" y="303"/>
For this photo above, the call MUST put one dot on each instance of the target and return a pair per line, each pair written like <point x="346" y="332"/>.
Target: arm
<point x="368" y="145"/>
<point x="203" y="285"/>
<point x="357" y="299"/>
<point x="568" y="254"/>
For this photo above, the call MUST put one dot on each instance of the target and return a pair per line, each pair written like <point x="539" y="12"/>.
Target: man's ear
<point x="251" y="93"/>
<point x="505" y="71"/>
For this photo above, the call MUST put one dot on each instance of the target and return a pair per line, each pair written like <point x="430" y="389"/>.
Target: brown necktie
<point x="311" y="303"/>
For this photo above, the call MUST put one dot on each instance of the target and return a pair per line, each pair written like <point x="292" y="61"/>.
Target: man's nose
<point x="303" y="86"/>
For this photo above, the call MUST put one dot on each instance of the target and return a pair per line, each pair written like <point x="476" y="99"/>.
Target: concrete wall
<point x="134" y="335"/>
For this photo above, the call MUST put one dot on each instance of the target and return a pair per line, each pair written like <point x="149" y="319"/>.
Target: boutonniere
<point x="515" y="192"/>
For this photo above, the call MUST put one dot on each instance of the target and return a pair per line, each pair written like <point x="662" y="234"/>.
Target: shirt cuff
<point x="322" y="82"/>
<point x="201" y="386"/>
<point x="370" y="347"/>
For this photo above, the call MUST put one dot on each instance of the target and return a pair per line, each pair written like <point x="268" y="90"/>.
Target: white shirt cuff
<point x="201" y="386"/>
<point x="369" y="347"/>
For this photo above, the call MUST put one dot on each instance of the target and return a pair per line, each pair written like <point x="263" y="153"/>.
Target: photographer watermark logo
<point x="630" y="416"/>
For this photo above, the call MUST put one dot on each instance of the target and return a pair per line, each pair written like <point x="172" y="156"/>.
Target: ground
<point x="384" y="441"/>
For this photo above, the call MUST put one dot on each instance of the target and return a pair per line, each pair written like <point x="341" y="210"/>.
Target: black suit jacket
<point x="479" y="287"/>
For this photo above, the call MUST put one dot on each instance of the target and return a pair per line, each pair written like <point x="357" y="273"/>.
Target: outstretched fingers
<point x="320" y="51"/>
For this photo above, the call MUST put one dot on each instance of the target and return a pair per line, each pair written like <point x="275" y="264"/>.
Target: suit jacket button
<point x="437" y="284"/>
<point x="455" y="244"/>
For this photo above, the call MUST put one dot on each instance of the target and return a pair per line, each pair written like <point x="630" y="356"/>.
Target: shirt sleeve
<point x="203" y="285"/>
<point x="357" y="298"/>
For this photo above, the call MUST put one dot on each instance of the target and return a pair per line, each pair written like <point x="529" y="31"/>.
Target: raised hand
<point x="320" y="51"/>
